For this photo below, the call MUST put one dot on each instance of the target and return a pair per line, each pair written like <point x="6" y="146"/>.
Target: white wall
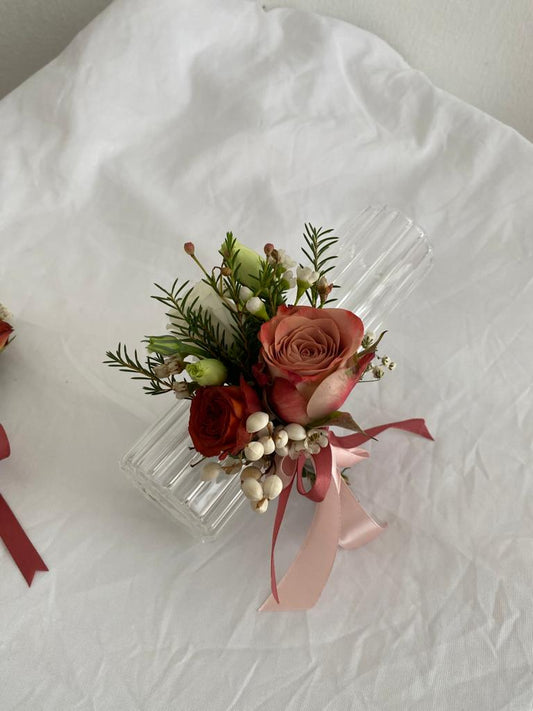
<point x="33" y="32"/>
<point x="480" y="50"/>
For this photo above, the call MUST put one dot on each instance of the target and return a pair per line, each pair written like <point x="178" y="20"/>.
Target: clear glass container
<point x="159" y="464"/>
<point x="383" y="256"/>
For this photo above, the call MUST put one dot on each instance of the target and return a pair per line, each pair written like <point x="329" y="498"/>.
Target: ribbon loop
<point x="339" y="518"/>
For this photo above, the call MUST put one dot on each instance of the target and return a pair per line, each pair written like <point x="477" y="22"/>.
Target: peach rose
<point x="309" y="354"/>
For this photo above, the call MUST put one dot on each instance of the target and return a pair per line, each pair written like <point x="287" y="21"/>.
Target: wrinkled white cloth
<point x="173" y="121"/>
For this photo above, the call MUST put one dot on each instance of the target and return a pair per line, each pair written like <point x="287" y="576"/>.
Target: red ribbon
<point x="11" y="532"/>
<point x="339" y="518"/>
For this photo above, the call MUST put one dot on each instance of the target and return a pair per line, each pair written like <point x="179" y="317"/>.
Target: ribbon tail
<point x="18" y="544"/>
<point x="357" y="526"/>
<point x="303" y="583"/>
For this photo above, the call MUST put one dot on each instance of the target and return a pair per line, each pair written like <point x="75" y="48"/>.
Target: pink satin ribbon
<point x="339" y="519"/>
<point x="17" y="542"/>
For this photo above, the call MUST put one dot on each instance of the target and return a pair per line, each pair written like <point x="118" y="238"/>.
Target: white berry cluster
<point x="258" y="484"/>
<point x="285" y="440"/>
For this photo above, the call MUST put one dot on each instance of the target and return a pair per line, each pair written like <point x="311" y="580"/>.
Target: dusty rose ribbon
<point x="11" y="532"/>
<point x="339" y="519"/>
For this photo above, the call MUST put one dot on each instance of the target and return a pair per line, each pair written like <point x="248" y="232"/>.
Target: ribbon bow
<point x="17" y="542"/>
<point x="339" y="519"/>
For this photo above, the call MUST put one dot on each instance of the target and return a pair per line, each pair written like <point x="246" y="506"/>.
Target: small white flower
<point x="368" y="339"/>
<point x="392" y="365"/>
<point x="378" y="372"/>
<point x="285" y="260"/>
<point x="289" y="278"/>
<point x="386" y="360"/>
<point x="4" y="313"/>
<point x="181" y="389"/>
<point x="318" y="437"/>
<point x="306" y="276"/>
<point x="162" y="370"/>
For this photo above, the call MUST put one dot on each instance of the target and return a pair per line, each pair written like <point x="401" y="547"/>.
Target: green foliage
<point x="319" y="242"/>
<point x="125" y="363"/>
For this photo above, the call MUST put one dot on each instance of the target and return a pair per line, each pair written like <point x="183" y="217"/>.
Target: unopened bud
<point x="256" y="307"/>
<point x="189" y="248"/>
<point x="269" y="248"/>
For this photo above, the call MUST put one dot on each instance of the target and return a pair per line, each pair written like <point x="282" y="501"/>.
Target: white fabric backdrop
<point x="171" y="121"/>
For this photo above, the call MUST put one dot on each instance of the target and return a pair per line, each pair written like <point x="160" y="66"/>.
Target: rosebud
<point x="209" y="371"/>
<point x="249" y="265"/>
<point x="5" y="332"/>
<point x="245" y="293"/>
<point x="189" y="248"/>
<point x="256" y="307"/>
<point x="165" y="345"/>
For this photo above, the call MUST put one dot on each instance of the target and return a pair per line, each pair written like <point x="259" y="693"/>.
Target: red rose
<point x="309" y="353"/>
<point x="5" y="331"/>
<point x="218" y="417"/>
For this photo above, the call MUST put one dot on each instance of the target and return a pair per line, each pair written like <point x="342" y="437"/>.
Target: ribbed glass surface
<point x="160" y="465"/>
<point x="383" y="255"/>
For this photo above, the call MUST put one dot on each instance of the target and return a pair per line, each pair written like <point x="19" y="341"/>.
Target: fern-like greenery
<point x="125" y="363"/>
<point x="319" y="242"/>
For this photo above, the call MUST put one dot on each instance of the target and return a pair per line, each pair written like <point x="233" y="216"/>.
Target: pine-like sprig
<point x="319" y="242"/>
<point x="125" y="363"/>
<point x="197" y="329"/>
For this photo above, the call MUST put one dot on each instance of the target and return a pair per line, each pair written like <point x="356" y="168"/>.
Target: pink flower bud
<point x="269" y="248"/>
<point x="189" y="248"/>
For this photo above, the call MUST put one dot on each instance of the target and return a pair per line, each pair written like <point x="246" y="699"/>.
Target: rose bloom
<point x="5" y="331"/>
<point x="218" y="417"/>
<point x="308" y="353"/>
